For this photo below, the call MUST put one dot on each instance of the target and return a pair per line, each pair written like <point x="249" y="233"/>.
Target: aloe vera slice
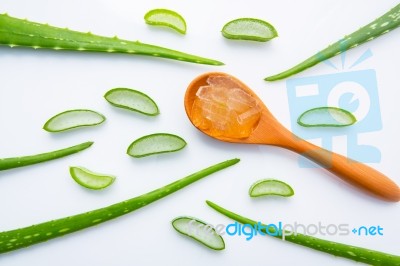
<point x="326" y="117"/>
<point x="72" y="119"/>
<point x="199" y="231"/>
<point x="132" y="100"/>
<point x="155" y="144"/>
<point x="89" y="179"/>
<point x="165" y="17"/>
<point x="267" y="187"/>
<point x="250" y="29"/>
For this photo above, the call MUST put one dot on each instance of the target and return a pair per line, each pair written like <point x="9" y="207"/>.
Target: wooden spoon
<point x="270" y="132"/>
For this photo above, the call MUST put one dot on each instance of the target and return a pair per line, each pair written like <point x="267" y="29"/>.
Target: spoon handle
<point x="353" y="172"/>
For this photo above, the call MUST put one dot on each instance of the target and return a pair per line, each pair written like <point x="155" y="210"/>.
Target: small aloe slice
<point x="326" y="117"/>
<point x="132" y="100"/>
<point x="155" y="144"/>
<point x="270" y="187"/>
<point x="89" y="179"/>
<point x="73" y="119"/>
<point x="165" y="17"/>
<point x="199" y="231"/>
<point x="250" y="29"/>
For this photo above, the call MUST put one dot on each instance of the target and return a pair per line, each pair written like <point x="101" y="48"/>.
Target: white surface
<point x="36" y="84"/>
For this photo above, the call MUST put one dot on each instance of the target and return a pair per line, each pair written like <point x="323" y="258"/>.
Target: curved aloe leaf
<point x="15" y="162"/>
<point x="384" y="24"/>
<point x="19" y="32"/>
<point x="367" y="256"/>
<point x="24" y="237"/>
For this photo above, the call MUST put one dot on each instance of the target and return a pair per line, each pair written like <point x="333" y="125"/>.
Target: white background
<point x="36" y="84"/>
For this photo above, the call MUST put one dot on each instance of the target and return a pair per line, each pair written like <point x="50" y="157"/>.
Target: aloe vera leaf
<point x="19" y="32"/>
<point x="24" y="237"/>
<point x="199" y="231"/>
<point x="384" y="24"/>
<point x="15" y="162"/>
<point x="367" y="256"/>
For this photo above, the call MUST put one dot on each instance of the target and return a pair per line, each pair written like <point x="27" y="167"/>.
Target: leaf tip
<point x="89" y="143"/>
<point x="236" y="160"/>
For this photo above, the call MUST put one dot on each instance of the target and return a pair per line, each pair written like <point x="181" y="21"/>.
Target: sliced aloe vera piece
<point x="165" y="17"/>
<point x="250" y="29"/>
<point x="132" y="100"/>
<point x="268" y="187"/>
<point x="73" y="119"/>
<point x="326" y="117"/>
<point x="199" y="231"/>
<point x="155" y="144"/>
<point x="89" y="179"/>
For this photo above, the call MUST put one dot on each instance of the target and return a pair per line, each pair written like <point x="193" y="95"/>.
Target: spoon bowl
<point x="259" y="135"/>
<point x="270" y="132"/>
